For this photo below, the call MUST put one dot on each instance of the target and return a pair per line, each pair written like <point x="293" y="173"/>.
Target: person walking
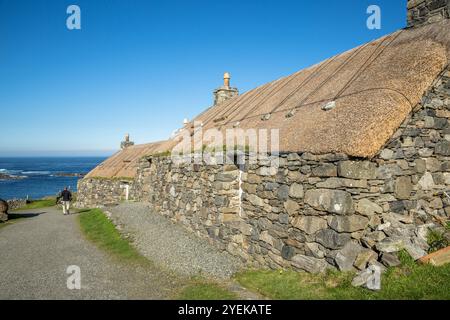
<point x="66" y="197"/>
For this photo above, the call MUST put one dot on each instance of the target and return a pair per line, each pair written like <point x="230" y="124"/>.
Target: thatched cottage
<point x="364" y="159"/>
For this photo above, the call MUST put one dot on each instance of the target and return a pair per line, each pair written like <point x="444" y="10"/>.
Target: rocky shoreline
<point x="4" y="176"/>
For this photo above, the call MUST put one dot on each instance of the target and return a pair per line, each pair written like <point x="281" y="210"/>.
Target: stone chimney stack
<point x="421" y="12"/>
<point x="225" y="92"/>
<point x="126" y="143"/>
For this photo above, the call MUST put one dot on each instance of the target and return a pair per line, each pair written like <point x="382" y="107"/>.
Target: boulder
<point x="3" y="210"/>
<point x="309" y="264"/>
<point x="333" y="201"/>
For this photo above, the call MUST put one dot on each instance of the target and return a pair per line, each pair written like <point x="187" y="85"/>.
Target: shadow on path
<point x="12" y="216"/>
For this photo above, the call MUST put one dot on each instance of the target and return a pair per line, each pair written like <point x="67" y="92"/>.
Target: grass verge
<point x="200" y="289"/>
<point x="410" y="281"/>
<point x="101" y="231"/>
<point x="36" y="204"/>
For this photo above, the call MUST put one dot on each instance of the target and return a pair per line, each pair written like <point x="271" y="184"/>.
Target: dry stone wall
<point x="313" y="212"/>
<point x="422" y="12"/>
<point x="95" y="192"/>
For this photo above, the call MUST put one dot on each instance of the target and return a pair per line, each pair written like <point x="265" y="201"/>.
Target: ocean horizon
<point x="38" y="177"/>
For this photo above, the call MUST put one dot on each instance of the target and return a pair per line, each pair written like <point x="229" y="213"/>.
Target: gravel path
<point x="35" y="254"/>
<point x="169" y="245"/>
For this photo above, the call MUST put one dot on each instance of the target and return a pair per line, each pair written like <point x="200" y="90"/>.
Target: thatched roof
<point x="123" y="164"/>
<point x="374" y="86"/>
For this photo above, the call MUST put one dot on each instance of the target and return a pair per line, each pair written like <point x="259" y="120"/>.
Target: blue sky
<point x="143" y="66"/>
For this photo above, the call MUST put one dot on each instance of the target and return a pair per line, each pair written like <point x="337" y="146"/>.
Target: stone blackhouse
<point x="356" y="182"/>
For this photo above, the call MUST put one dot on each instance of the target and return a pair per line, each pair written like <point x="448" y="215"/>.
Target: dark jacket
<point x="66" y="195"/>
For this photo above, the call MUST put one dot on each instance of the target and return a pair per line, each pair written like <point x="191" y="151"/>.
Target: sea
<point x="41" y="176"/>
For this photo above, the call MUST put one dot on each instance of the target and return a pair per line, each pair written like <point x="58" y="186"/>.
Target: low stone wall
<point x="94" y="192"/>
<point x="422" y="12"/>
<point x="15" y="204"/>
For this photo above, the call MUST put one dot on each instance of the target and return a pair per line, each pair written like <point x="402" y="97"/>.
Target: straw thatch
<point x="375" y="87"/>
<point x="123" y="164"/>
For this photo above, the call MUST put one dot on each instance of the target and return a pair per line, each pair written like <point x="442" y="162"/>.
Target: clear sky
<point x="142" y="66"/>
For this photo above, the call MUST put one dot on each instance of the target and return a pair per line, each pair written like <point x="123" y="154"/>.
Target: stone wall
<point x="427" y="11"/>
<point x="318" y="211"/>
<point x="313" y="212"/>
<point x="204" y="198"/>
<point x="94" y="192"/>
<point x="15" y="204"/>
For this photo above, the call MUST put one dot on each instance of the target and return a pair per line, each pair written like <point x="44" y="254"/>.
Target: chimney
<point x="225" y="92"/>
<point x="422" y="12"/>
<point x="126" y="143"/>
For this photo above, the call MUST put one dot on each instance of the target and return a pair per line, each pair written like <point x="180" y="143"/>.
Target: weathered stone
<point x="296" y="191"/>
<point x="293" y="157"/>
<point x="225" y="177"/>
<point x="283" y="192"/>
<point x="349" y="224"/>
<point x="309" y="264"/>
<point x="333" y="201"/>
<point x="253" y="178"/>
<point x="287" y="252"/>
<point x="363" y="258"/>
<point x="433" y="164"/>
<point x="3" y="210"/>
<point x="331" y="239"/>
<point x="443" y="148"/>
<point x="309" y="224"/>
<point x="426" y="182"/>
<point x="315" y="250"/>
<point x="414" y="251"/>
<point x="255" y="200"/>
<point x="387" y="154"/>
<point x="388" y="171"/>
<point x="325" y="170"/>
<point x="266" y="237"/>
<point x="391" y="244"/>
<point x="291" y="207"/>
<point x="335" y="183"/>
<point x="267" y="171"/>
<point x="362" y="278"/>
<point x="367" y="207"/>
<point x="357" y="169"/>
<point x="347" y="255"/>
<point x="389" y="259"/>
<point x="420" y="165"/>
<point x="403" y="187"/>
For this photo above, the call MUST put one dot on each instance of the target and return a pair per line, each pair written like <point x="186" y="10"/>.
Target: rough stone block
<point x="333" y="201"/>
<point x="357" y="169"/>
<point x="309" y="224"/>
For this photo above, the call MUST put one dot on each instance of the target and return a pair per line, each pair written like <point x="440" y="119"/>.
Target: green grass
<point x="36" y="204"/>
<point x="410" y="281"/>
<point x="101" y="231"/>
<point x="203" y="290"/>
